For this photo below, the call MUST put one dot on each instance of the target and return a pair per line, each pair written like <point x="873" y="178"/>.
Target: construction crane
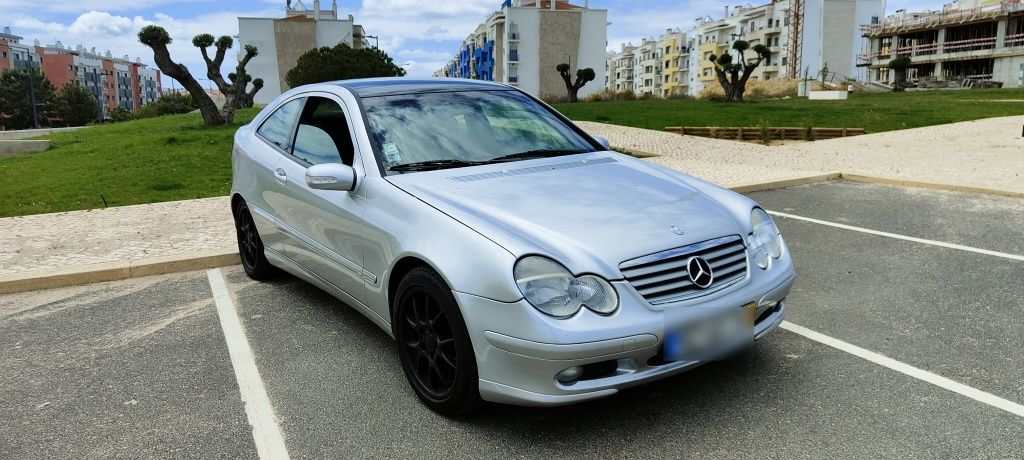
<point x="796" y="38"/>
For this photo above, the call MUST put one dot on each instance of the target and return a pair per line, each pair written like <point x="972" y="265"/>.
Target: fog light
<point x="570" y="375"/>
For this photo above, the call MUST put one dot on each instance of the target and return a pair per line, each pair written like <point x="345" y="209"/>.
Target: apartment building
<point x="619" y="69"/>
<point x="282" y="40"/>
<point x="968" y="41"/>
<point x="657" y="67"/>
<point x="113" y="81"/>
<point x="523" y="42"/>
<point x="675" y="56"/>
<point x="804" y="36"/>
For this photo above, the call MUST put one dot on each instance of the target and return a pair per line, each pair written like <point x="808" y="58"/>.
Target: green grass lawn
<point x="875" y="112"/>
<point x="176" y="158"/>
<point x="144" y="161"/>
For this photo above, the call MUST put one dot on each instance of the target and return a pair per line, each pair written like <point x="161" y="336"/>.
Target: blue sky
<point x="420" y="34"/>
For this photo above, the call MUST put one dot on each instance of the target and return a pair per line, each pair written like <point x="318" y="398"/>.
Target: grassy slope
<point x="144" y="161"/>
<point x="875" y="112"/>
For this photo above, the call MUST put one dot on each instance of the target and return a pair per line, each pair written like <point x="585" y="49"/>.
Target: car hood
<point x="588" y="211"/>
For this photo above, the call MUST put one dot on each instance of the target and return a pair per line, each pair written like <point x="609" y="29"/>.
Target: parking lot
<point x="931" y="280"/>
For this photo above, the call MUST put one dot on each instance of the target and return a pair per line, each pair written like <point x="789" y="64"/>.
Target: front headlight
<point x="765" y="240"/>
<point x="552" y="289"/>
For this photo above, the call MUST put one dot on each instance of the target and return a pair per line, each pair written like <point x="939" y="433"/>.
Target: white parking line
<point x="920" y="374"/>
<point x="265" y="432"/>
<point x="901" y="237"/>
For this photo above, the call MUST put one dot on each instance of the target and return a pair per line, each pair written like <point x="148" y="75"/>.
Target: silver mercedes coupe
<point x="513" y="257"/>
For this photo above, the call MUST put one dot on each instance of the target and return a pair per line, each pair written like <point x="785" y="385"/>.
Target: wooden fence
<point x="773" y="133"/>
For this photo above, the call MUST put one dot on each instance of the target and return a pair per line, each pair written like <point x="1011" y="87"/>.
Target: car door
<point x="324" y="226"/>
<point x="273" y="141"/>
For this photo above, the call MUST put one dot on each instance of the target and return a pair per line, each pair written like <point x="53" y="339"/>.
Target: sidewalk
<point x="984" y="153"/>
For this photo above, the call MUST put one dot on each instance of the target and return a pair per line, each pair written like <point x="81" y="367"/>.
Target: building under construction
<point x="970" y="43"/>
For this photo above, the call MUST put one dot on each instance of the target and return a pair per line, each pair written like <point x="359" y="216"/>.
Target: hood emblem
<point x="676" y="229"/>
<point x="700" y="272"/>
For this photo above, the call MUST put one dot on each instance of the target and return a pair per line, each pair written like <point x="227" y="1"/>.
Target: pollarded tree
<point x="157" y="39"/>
<point x="583" y="76"/>
<point x="234" y="88"/>
<point x="247" y="100"/>
<point x="733" y="76"/>
<point x="900" y="65"/>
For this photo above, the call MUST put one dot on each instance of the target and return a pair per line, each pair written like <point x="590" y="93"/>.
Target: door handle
<point x="280" y="175"/>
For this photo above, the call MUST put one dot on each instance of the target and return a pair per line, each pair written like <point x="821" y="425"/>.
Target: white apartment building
<point x="282" y="41"/>
<point x="827" y="34"/>
<point x="657" y="67"/>
<point x="523" y="42"/>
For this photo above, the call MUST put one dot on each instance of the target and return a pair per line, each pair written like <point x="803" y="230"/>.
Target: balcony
<point x="24" y="64"/>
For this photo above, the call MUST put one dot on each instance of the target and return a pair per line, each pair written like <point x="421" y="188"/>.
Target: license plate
<point x="710" y="336"/>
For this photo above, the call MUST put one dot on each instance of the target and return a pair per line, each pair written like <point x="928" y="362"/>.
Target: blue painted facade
<point x="479" y="58"/>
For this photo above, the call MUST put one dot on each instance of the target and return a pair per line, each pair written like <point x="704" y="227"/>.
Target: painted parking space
<point x="949" y="311"/>
<point x="337" y="387"/>
<point x="129" y="369"/>
<point x="147" y="367"/>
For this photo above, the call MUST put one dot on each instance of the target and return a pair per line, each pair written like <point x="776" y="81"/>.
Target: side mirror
<point x="331" y="176"/>
<point x="604" y="142"/>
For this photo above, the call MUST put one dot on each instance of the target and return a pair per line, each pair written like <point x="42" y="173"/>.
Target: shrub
<point x="168" y="104"/>
<point x="627" y="95"/>
<point x="119" y="114"/>
<point x="76" y="105"/>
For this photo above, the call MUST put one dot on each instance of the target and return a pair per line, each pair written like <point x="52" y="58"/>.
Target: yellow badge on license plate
<point x="751" y="312"/>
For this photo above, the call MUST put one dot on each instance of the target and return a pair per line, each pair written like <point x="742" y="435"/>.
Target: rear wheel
<point x="433" y="344"/>
<point x="250" y="246"/>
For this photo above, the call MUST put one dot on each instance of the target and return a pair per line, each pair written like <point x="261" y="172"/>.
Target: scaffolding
<point x="796" y="38"/>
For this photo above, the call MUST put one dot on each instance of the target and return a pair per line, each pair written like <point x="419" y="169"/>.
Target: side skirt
<point x="284" y="263"/>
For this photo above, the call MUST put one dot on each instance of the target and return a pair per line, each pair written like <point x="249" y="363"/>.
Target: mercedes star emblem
<point x="700" y="272"/>
<point x="677" y="230"/>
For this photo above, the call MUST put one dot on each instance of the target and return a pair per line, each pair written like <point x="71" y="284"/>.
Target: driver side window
<point x="323" y="135"/>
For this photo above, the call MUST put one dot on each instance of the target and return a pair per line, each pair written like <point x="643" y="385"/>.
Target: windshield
<point x="416" y="132"/>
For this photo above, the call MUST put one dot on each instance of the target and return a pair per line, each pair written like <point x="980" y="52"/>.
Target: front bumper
<point x="519" y="352"/>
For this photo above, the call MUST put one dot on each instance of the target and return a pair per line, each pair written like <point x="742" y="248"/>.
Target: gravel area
<point x="985" y="153"/>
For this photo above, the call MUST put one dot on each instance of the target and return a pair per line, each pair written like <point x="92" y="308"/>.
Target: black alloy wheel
<point x="250" y="246"/>
<point x="433" y="344"/>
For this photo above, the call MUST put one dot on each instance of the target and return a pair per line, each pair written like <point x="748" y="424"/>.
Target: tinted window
<point x="467" y="126"/>
<point x="323" y="135"/>
<point x="278" y="127"/>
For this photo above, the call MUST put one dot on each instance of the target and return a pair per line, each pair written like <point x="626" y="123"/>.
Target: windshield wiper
<point x="539" y="153"/>
<point x="432" y="165"/>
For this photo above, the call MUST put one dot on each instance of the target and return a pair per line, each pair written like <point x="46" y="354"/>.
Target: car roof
<point x="371" y="87"/>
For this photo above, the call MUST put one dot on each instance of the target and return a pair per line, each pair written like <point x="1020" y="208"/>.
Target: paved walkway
<point x="985" y="153"/>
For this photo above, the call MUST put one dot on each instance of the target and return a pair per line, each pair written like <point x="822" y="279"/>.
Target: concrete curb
<point x="748" y="187"/>
<point x="854" y="177"/>
<point x="113" y="271"/>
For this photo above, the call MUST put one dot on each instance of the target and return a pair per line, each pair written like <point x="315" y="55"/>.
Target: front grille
<point x="662" y="277"/>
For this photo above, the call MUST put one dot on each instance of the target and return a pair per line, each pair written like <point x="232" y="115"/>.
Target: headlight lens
<point x="765" y="240"/>
<point x="552" y="289"/>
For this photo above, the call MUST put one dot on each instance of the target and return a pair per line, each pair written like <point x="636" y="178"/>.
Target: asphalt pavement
<point x="140" y="368"/>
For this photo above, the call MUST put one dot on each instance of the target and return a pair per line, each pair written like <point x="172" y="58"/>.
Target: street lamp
<point x="374" y="37"/>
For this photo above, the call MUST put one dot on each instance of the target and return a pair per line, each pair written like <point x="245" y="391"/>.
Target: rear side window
<point x="278" y="127"/>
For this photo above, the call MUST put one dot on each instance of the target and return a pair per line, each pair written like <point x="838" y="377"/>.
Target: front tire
<point x="433" y="344"/>
<point x="250" y="246"/>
